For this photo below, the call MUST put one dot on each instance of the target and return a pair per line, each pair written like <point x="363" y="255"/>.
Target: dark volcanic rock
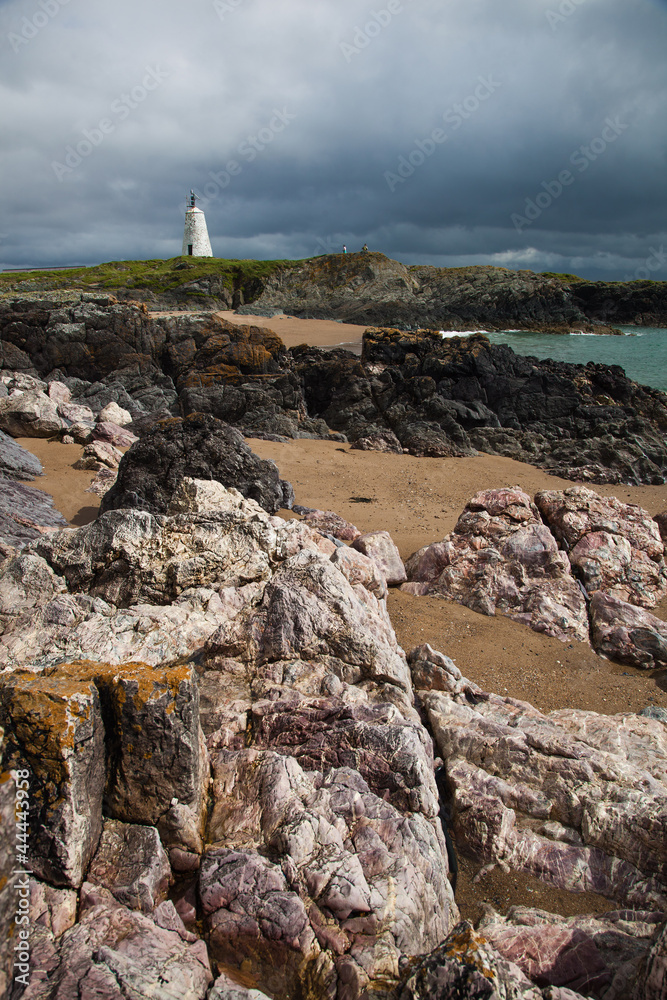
<point x="450" y="396"/>
<point x="201" y="447"/>
<point x="371" y="288"/>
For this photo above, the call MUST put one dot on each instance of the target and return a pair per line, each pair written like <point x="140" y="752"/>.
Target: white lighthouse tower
<point x="195" y="237"/>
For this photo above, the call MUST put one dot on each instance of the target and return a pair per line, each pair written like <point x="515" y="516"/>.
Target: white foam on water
<point x="459" y="333"/>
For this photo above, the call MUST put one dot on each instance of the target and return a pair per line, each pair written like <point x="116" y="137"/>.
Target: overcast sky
<point x="523" y="133"/>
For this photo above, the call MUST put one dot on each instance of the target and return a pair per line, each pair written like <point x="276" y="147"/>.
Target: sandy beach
<point x="314" y="332"/>
<point x="418" y="500"/>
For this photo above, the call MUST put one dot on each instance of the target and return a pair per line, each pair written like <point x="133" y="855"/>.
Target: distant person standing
<point x="344" y="249"/>
<point x="364" y="248"/>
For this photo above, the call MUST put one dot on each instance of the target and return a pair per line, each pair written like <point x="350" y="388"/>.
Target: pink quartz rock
<point x="381" y="548"/>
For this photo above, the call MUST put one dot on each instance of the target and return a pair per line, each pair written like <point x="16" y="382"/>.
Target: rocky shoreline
<point x="371" y="289"/>
<point x="415" y="393"/>
<point x="238" y="779"/>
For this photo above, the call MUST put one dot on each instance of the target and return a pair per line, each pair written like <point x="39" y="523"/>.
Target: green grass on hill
<point x="157" y="276"/>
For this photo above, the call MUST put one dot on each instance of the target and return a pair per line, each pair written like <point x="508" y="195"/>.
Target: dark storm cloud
<point x="428" y="129"/>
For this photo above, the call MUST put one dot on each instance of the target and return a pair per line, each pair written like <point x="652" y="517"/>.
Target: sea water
<point x="642" y="352"/>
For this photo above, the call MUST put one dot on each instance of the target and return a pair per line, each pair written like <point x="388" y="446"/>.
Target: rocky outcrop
<point x="504" y="556"/>
<point x="625" y="632"/>
<point x="603" y="956"/>
<point x="441" y="397"/>
<point x="612" y="546"/>
<point x="25" y="514"/>
<point x="199" y="447"/>
<point x="317" y="841"/>
<point x="370" y="288"/>
<point x="576" y="798"/>
<point x="501" y="557"/>
<point x="116" y="952"/>
<point x="467" y="966"/>
<point x="16" y="461"/>
<point x="343" y="864"/>
<point x="413" y="392"/>
<point x="54" y="729"/>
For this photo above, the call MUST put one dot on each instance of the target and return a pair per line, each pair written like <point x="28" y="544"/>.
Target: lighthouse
<point x="195" y="236"/>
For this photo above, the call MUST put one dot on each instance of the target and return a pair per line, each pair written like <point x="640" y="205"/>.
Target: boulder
<point x="99" y="454"/>
<point x="627" y="633"/>
<point x="381" y="548"/>
<point x="599" y="956"/>
<point x="55" y="730"/>
<point x="114" y="434"/>
<point x="30" y="414"/>
<point x="200" y="447"/>
<point x="25" y="514"/>
<point x="328" y="522"/>
<point x="18" y="381"/>
<point x="360" y="569"/>
<point x="612" y="546"/>
<point x="652" y="978"/>
<point x="80" y="432"/>
<point x="467" y="966"/>
<point x="502" y="558"/>
<point x="103" y="481"/>
<point x="59" y="392"/>
<point x="74" y="413"/>
<point x="114" y="414"/>
<point x="16" y="461"/>
<point x="344" y="863"/>
<point x="575" y="798"/>
<point x="131" y="863"/>
<point x="115" y="952"/>
<point x="130" y="556"/>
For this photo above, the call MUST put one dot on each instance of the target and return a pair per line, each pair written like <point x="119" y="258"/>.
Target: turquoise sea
<point x="642" y="354"/>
